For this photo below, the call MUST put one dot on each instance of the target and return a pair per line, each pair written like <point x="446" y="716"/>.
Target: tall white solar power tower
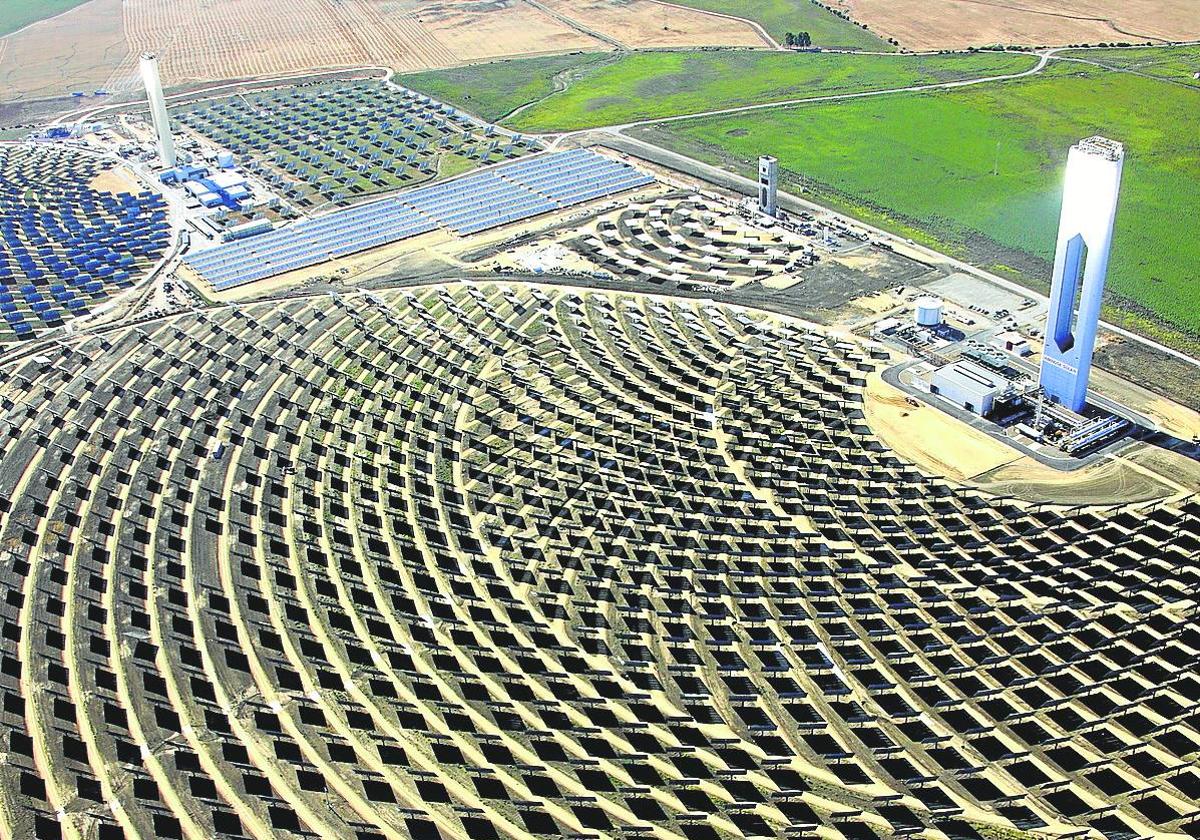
<point x="158" y="108"/>
<point x="1085" y="230"/>
<point x="768" y="186"/>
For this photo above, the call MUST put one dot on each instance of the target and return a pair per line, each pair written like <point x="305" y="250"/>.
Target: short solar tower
<point x="158" y="108"/>
<point x="1089" y="209"/>
<point x="768" y="186"/>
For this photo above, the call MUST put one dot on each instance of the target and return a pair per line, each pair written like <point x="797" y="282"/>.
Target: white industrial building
<point x="968" y="386"/>
<point x="1013" y="342"/>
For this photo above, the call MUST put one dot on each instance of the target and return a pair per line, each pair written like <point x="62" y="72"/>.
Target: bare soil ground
<point x="1122" y="481"/>
<point x="477" y="30"/>
<point x="956" y="24"/>
<point x="198" y="39"/>
<point x="1135" y="362"/>
<point x="76" y="50"/>
<point x="930" y="439"/>
<point x="97" y="45"/>
<point x="116" y="180"/>
<point x="642" y="23"/>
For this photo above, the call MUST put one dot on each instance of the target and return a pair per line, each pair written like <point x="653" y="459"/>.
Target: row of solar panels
<point x="470" y="204"/>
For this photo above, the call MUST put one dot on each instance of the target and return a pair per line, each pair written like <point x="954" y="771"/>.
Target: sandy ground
<point x="940" y="445"/>
<point x="1114" y="481"/>
<point x="116" y="180"/>
<point x="955" y="24"/>
<point x="641" y="23"/>
<point x="782" y="281"/>
<point x="867" y="308"/>
<point x="931" y="439"/>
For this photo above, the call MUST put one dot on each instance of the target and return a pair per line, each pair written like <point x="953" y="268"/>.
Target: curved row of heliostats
<point x="497" y="561"/>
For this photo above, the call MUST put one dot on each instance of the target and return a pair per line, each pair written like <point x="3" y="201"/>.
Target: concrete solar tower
<point x="768" y="185"/>
<point x="1085" y="230"/>
<point x="158" y="108"/>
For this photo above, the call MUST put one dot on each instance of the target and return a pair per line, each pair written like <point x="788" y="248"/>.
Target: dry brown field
<point x="476" y="30"/>
<point x="97" y="44"/>
<point x="76" y="50"/>
<point x="198" y="39"/>
<point x="956" y="24"/>
<point x="644" y="23"/>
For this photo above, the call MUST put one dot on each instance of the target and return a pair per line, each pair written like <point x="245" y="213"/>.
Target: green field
<point x="17" y="14"/>
<point x="978" y="171"/>
<point x="495" y="89"/>
<point x="782" y="16"/>
<point x="648" y="85"/>
<point x="1177" y="64"/>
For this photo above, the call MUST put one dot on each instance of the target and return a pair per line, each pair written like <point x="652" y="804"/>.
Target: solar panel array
<point x="471" y="204"/>
<point x="65" y="246"/>
<point x="337" y="141"/>
<point x="308" y="242"/>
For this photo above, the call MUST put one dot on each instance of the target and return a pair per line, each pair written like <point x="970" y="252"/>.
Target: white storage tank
<point x="929" y="311"/>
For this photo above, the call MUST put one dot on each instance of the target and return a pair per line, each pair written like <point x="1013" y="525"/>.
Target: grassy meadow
<point x="1174" y="64"/>
<point x="610" y="90"/>
<point x="495" y="89"/>
<point x="779" y="17"/>
<point x="978" y="171"/>
<point x="650" y="85"/>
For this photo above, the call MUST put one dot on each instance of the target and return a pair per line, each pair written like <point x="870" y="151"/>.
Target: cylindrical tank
<point x="929" y="311"/>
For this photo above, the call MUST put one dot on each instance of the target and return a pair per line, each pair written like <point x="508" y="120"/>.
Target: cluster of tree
<point x="797" y="39"/>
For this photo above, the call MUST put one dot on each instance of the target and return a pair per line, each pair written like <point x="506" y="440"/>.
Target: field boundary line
<point x="1110" y="22"/>
<point x="758" y="27"/>
<point x="577" y="26"/>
